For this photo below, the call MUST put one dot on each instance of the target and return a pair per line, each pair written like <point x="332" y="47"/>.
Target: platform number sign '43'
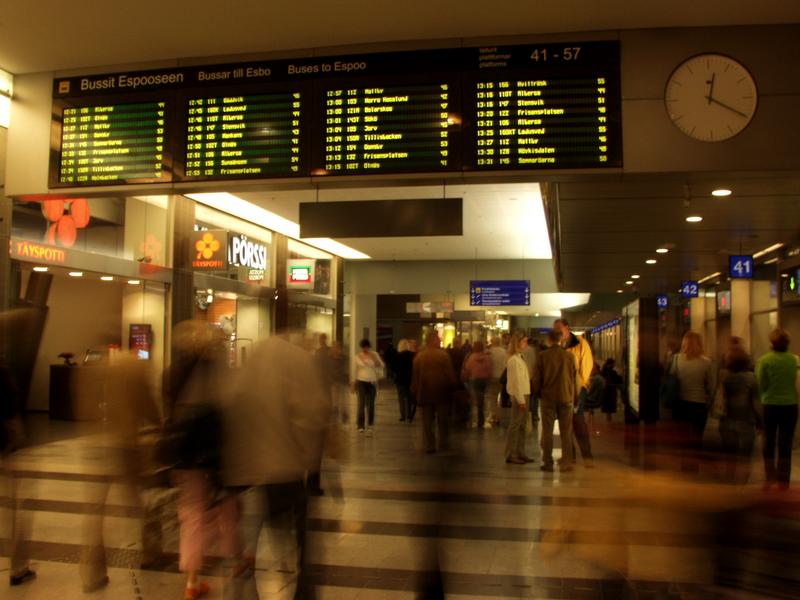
<point x="690" y="289"/>
<point x="741" y="267"/>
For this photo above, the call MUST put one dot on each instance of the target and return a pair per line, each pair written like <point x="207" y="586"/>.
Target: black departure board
<point x="244" y="136"/>
<point x="542" y="123"/>
<point x="112" y="143"/>
<point x="387" y="129"/>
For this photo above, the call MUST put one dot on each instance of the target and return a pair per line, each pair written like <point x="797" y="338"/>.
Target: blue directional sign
<point x="741" y="267"/>
<point x="504" y="292"/>
<point x="690" y="289"/>
<point x="662" y="301"/>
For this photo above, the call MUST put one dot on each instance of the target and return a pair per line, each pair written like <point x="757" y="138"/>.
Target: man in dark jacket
<point x="554" y="381"/>
<point x="433" y="381"/>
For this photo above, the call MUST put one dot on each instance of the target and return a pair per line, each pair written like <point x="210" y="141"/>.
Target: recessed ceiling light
<point x="662" y="250"/>
<point x="721" y="192"/>
<point x="107" y="278"/>
<point x="619" y="291"/>
<point x="629" y="282"/>
<point x="40" y="269"/>
<point x="694" y="219"/>
<point x="76" y="273"/>
<point x="635" y="276"/>
<point x="651" y="261"/>
<point x="134" y="281"/>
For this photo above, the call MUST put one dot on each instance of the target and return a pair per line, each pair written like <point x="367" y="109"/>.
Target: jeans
<point x="404" y="399"/>
<point x="779" y="424"/>
<point x="738" y="438"/>
<point x="581" y="432"/>
<point x="552" y="411"/>
<point x="366" y="400"/>
<point x="515" y="436"/>
<point x="440" y="414"/>
<point x="478" y="389"/>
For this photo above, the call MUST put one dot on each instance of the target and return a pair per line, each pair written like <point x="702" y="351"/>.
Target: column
<point x="741" y="290"/>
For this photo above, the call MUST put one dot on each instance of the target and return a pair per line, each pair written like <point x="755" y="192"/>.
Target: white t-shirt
<point x="368" y="368"/>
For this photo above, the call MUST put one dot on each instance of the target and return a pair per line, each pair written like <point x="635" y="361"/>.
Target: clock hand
<point x="730" y="108"/>
<point x="710" y="82"/>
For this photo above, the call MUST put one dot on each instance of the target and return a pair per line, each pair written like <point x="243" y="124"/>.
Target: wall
<point x="146" y="303"/>
<point x="84" y="313"/>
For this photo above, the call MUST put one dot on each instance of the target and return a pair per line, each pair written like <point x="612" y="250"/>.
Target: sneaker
<point x="360" y="430"/>
<point x="196" y="591"/>
<point x="487" y="425"/>
<point x="26" y="575"/>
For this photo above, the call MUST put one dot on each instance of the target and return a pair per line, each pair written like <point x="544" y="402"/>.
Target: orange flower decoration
<point x="207" y="246"/>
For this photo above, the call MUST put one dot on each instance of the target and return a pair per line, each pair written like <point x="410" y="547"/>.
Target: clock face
<point x="711" y="97"/>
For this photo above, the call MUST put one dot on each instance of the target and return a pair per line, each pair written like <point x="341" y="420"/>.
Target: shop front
<point x="95" y="274"/>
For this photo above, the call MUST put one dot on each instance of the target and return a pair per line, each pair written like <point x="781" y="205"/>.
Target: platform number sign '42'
<point x="690" y="289"/>
<point x="741" y="267"/>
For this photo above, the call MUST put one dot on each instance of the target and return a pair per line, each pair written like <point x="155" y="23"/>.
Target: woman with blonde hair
<point x="519" y="388"/>
<point x="696" y="377"/>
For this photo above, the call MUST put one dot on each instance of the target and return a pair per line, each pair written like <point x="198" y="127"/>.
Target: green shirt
<point x="777" y="378"/>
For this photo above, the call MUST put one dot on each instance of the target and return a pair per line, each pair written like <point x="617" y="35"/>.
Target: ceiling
<point x="502" y="221"/>
<point x="610" y="228"/>
<point x="48" y="35"/>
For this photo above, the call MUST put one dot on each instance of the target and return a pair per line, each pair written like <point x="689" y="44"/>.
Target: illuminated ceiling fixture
<point x="629" y="282"/>
<point x="721" y="193"/>
<point x="694" y="219"/>
<point x="662" y="250"/>
<point x="106" y="278"/>
<point x="233" y="205"/>
<point x="40" y="269"/>
<point x="76" y="273"/>
<point x="635" y="276"/>
<point x="134" y="282"/>
<point x="651" y="261"/>
<point x="619" y="291"/>
<point x="708" y="277"/>
<point x="767" y="250"/>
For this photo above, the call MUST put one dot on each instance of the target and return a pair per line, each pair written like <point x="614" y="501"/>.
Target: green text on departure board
<point x="374" y="129"/>
<point x="236" y="136"/>
<point x="112" y="143"/>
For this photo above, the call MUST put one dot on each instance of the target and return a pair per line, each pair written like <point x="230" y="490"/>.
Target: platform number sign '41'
<point x="690" y="289"/>
<point x="741" y="267"/>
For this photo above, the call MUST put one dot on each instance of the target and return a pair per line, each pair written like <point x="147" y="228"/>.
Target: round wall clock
<point x="711" y="97"/>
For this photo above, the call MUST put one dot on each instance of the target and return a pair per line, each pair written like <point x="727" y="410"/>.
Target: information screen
<point x="380" y="129"/>
<point x="511" y="292"/>
<point x="112" y="143"/>
<point x="244" y="136"/>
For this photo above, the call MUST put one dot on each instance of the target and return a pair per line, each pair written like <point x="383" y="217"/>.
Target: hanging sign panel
<point x="547" y="106"/>
<point x="740" y="267"/>
<point x="506" y="292"/>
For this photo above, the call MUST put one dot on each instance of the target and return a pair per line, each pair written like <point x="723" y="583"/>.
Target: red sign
<point x="33" y="251"/>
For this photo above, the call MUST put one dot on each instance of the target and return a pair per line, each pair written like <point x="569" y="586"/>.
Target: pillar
<point x="741" y="293"/>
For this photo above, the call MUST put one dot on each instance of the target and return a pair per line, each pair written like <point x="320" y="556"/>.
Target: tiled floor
<point x="393" y="515"/>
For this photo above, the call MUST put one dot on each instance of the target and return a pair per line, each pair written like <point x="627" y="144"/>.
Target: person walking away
<point x="11" y="438"/>
<point x="326" y="367"/>
<point x="194" y="386"/>
<point x="777" y="383"/>
<point x="584" y="365"/>
<point x="499" y="356"/>
<point x="368" y="369"/>
<point x="737" y="427"/>
<point x="519" y="388"/>
<point x="476" y="372"/>
<point x="433" y="382"/>
<point x="341" y="383"/>
<point x="611" y="389"/>
<point x="594" y="396"/>
<point x="275" y="424"/>
<point x="554" y="381"/>
<point x="696" y="377"/>
<point x="403" y="365"/>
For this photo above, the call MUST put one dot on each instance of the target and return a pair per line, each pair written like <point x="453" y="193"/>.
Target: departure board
<point x="384" y="129"/>
<point x="244" y="136"/>
<point x="535" y="123"/>
<point x="112" y="143"/>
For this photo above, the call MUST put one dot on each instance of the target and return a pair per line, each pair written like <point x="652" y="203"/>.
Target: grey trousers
<point x="515" y="436"/>
<point x="551" y="412"/>
<point x="437" y="415"/>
